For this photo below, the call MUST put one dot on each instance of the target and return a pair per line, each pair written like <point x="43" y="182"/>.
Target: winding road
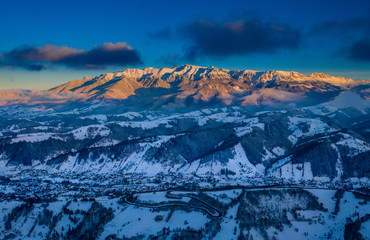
<point x="209" y="209"/>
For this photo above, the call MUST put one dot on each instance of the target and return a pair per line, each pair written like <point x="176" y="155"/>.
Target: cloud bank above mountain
<point x="210" y="39"/>
<point x="99" y="57"/>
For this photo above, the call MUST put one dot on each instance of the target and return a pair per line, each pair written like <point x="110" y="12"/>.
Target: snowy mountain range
<point x="193" y="86"/>
<point x="223" y="138"/>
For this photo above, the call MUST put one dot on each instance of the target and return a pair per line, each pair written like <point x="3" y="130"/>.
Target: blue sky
<point x="45" y="43"/>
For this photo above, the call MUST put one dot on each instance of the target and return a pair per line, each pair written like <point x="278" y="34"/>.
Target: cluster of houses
<point x="39" y="184"/>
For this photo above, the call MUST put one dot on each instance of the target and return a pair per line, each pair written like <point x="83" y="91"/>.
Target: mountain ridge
<point x="190" y="85"/>
<point x="186" y="74"/>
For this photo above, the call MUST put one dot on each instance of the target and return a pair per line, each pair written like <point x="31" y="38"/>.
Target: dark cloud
<point x="238" y="38"/>
<point x="360" y="50"/>
<point x="170" y="60"/>
<point x="350" y="38"/>
<point x="18" y="58"/>
<point x="165" y="33"/>
<point x="39" y="58"/>
<point x="359" y="25"/>
<point x="100" y="56"/>
<point x="192" y="53"/>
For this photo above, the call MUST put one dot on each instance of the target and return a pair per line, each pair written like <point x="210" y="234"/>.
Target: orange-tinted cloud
<point x="39" y="58"/>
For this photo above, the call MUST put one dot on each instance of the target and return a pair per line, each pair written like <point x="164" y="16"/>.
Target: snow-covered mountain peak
<point x="189" y="85"/>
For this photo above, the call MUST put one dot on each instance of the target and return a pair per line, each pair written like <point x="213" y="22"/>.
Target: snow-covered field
<point x="33" y="221"/>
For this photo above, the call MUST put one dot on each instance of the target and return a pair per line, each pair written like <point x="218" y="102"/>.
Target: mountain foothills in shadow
<point x="192" y="86"/>
<point x="327" y="143"/>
